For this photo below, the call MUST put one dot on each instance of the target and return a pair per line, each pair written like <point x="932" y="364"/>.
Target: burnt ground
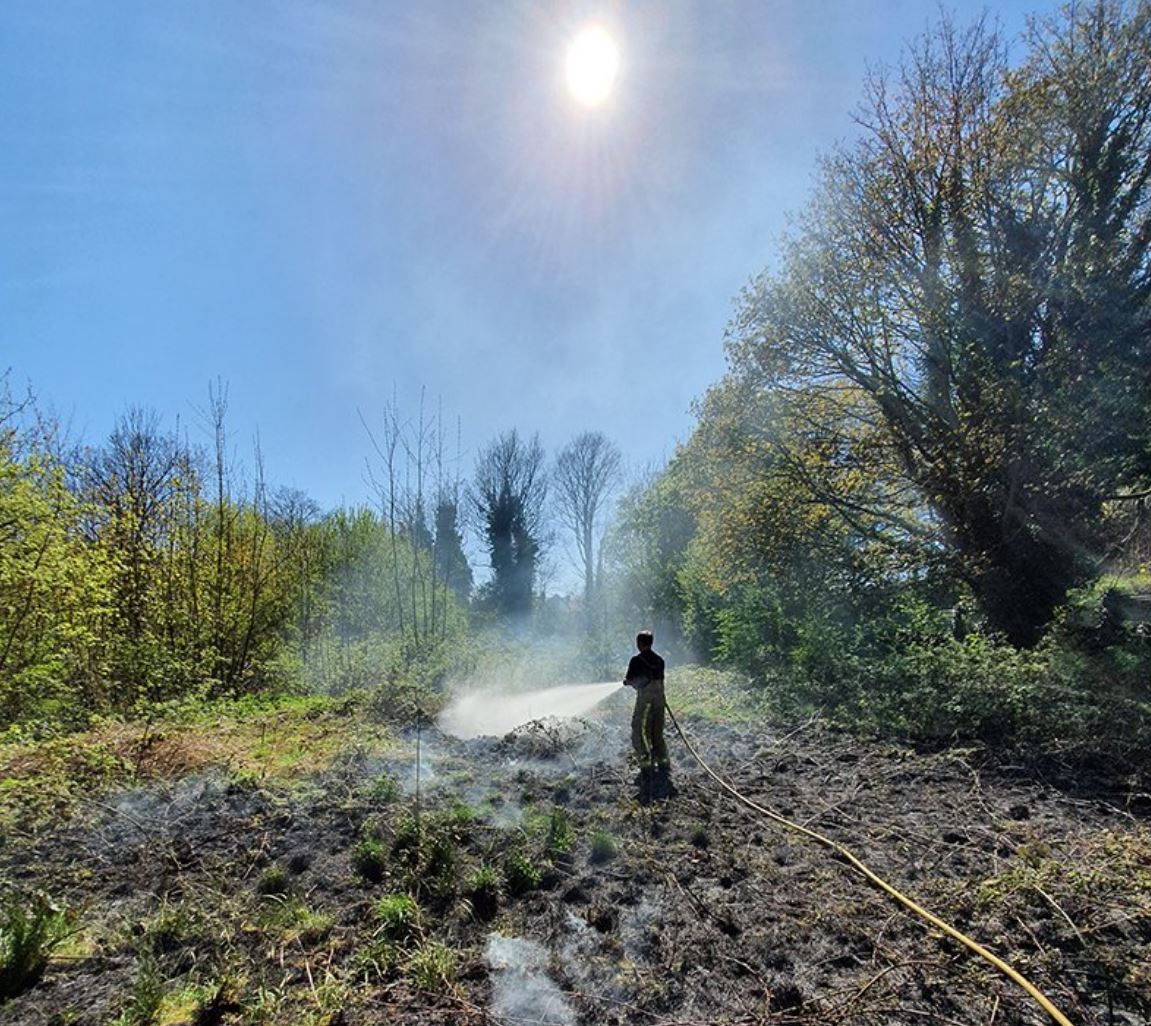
<point x="210" y="899"/>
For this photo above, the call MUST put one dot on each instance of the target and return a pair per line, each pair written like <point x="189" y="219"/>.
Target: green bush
<point x="521" y="874"/>
<point x="28" y="936"/>
<point x="560" y="835"/>
<point x="905" y="675"/>
<point x="148" y="992"/>
<point x="385" y="789"/>
<point x="482" y="888"/>
<point x="408" y="840"/>
<point x="438" y="870"/>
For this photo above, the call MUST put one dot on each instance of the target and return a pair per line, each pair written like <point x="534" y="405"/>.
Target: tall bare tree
<point x="587" y="471"/>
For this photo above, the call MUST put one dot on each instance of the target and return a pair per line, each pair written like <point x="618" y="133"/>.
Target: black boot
<point x="646" y="785"/>
<point x="662" y="787"/>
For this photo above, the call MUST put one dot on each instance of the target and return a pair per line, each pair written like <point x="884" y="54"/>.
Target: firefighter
<point x="645" y="674"/>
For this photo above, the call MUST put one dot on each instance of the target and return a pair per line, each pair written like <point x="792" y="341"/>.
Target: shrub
<point x="521" y="874"/>
<point x="460" y="820"/>
<point x="173" y="927"/>
<point x="28" y="936"/>
<point x="299" y="923"/>
<point x="385" y="789"/>
<point x="407" y="842"/>
<point x="483" y="889"/>
<point x="377" y="959"/>
<point x="147" y="996"/>
<point x="438" y="870"/>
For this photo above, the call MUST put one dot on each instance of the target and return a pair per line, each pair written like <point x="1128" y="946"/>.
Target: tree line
<point x="150" y="568"/>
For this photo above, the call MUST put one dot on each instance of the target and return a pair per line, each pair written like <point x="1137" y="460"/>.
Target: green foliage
<point x="408" y="839"/>
<point x="957" y="337"/>
<point x="29" y="933"/>
<point x="482" y="888"/>
<point x="646" y="546"/>
<point x="925" y="685"/>
<point x="147" y="997"/>
<point x="54" y="589"/>
<point x="173" y="927"/>
<point x="521" y="874"/>
<point x="295" y="922"/>
<point x="460" y="820"/>
<point x="398" y="916"/>
<point x="138" y="577"/>
<point x="441" y="865"/>
<point x="369" y="859"/>
<point x="385" y="789"/>
<point x="426" y="849"/>
<point x="560" y="833"/>
<point x="377" y="959"/>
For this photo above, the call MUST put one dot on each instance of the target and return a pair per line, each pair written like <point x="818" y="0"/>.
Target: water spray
<point x="493" y="712"/>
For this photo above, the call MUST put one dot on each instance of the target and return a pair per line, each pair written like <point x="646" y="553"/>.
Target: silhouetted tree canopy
<point x="963" y="315"/>
<point x="508" y="495"/>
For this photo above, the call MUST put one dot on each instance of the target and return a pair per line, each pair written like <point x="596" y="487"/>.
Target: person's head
<point x="643" y="640"/>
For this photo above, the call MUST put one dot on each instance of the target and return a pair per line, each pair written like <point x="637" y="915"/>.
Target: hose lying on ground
<point x="903" y="899"/>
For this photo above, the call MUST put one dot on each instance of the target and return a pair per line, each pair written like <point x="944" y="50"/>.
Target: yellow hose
<point x="903" y="899"/>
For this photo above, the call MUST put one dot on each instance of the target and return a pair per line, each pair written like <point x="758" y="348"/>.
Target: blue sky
<point x="328" y="202"/>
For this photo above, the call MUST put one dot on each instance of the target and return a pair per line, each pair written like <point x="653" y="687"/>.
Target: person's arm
<point x="637" y="675"/>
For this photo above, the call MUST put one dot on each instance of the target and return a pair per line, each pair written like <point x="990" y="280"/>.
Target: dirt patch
<point x="219" y="900"/>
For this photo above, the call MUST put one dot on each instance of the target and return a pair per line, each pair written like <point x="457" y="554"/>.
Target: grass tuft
<point x="273" y="880"/>
<point x="603" y="847"/>
<point x="432" y="967"/>
<point x="369" y="860"/>
<point x="398" y="916"/>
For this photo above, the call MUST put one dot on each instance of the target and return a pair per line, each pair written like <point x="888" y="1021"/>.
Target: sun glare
<point x="592" y="65"/>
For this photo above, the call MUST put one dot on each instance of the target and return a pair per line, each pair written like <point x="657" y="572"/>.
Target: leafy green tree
<point x="132" y="486"/>
<point x="646" y="547"/>
<point x="975" y="273"/>
<point x="55" y="594"/>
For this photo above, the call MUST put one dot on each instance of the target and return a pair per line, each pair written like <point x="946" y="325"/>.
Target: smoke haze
<point x="522" y="992"/>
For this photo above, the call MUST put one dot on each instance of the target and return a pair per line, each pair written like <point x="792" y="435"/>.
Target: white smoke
<point x="495" y="713"/>
<point x="522" y="992"/>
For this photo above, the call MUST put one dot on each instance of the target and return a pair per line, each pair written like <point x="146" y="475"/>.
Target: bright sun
<point x="592" y="64"/>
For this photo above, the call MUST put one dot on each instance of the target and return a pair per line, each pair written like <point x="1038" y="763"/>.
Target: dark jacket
<point x="645" y="667"/>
